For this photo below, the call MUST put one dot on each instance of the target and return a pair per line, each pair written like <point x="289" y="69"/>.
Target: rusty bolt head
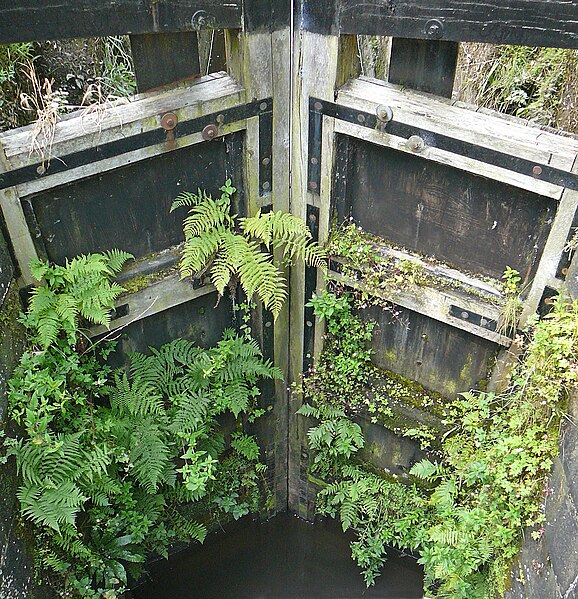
<point x="318" y="106"/>
<point x="384" y="113"/>
<point x="564" y="271"/>
<point x="537" y="170"/>
<point x="209" y="132"/>
<point x="169" y="121"/>
<point x="415" y="143"/>
<point x="312" y="185"/>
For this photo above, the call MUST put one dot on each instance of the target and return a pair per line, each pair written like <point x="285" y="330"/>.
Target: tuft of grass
<point x="538" y="84"/>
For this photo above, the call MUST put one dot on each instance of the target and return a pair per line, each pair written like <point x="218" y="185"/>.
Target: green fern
<point x="230" y="248"/>
<point x="80" y="289"/>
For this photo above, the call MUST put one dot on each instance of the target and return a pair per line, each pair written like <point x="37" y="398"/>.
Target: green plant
<point x="470" y="499"/>
<point x="113" y="465"/>
<point x="231" y="250"/>
<point x="511" y="310"/>
<point x="15" y="61"/>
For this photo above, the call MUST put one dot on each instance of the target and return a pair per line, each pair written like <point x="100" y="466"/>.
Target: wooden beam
<point x="515" y="138"/>
<point x="426" y="65"/>
<point x="86" y="132"/>
<point x="30" y="20"/>
<point x="163" y="58"/>
<point x="519" y="22"/>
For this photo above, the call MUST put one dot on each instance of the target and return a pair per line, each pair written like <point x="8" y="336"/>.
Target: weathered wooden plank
<point x="426" y="65"/>
<point x="158" y="297"/>
<point x="553" y="250"/>
<point x="437" y="304"/>
<point x="521" y="22"/>
<point x="16" y="227"/>
<point x="163" y="58"/>
<point x="315" y="71"/>
<point x="442" y="358"/>
<point x="83" y="130"/>
<point x="28" y="20"/>
<point x="471" y="222"/>
<point x="437" y="115"/>
<point x="128" y="207"/>
<point x="267" y="15"/>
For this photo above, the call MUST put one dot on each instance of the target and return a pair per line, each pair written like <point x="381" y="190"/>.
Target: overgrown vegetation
<point x="230" y="249"/>
<point x="538" y="84"/>
<point x="40" y="82"/>
<point x="464" y="512"/>
<point x="116" y="466"/>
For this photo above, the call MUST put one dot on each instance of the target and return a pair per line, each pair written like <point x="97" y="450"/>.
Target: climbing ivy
<point x="116" y="466"/>
<point x="463" y="508"/>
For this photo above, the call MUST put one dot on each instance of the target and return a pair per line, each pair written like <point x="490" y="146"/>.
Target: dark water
<point x="285" y="558"/>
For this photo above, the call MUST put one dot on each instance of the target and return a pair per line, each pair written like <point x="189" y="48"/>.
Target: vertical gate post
<point x="163" y="58"/>
<point x="426" y="65"/>
<point x="321" y="62"/>
<point x="259" y="58"/>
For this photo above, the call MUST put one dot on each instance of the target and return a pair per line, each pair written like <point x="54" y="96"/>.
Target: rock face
<point x="548" y="567"/>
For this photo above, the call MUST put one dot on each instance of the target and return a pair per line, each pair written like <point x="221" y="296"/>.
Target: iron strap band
<point x="134" y="142"/>
<point x="439" y="141"/>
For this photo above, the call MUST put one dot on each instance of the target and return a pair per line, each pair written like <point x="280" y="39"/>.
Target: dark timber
<point x="162" y="58"/>
<point x="519" y="22"/>
<point x="29" y="20"/>
<point x="425" y="65"/>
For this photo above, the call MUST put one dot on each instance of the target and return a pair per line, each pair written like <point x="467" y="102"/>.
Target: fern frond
<point x="150" y="455"/>
<point x="246" y="445"/>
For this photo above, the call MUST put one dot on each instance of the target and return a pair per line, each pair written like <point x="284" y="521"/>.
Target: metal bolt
<point x="537" y="170"/>
<point x="220" y="118"/>
<point x="169" y="121"/>
<point x="361" y="118"/>
<point x="268" y="324"/>
<point x="263" y="106"/>
<point x="318" y="106"/>
<point x="384" y="113"/>
<point x="564" y="271"/>
<point x="465" y="315"/>
<point x="312" y="218"/>
<point x="202" y="19"/>
<point x="415" y="143"/>
<point x="209" y="132"/>
<point x="265" y="161"/>
<point x="266" y="186"/>
<point x="309" y="323"/>
<point x="434" y="28"/>
<point x="312" y="185"/>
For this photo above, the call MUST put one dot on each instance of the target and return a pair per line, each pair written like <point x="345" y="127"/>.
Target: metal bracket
<point x="168" y="131"/>
<point x="473" y="318"/>
<point x="419" y="139"/>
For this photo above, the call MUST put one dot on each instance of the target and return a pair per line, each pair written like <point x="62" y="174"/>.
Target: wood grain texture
<point x="439" y="357"/>
<point x="163" y="58"/>
<point x="478" y="225"/>
<point x="29" y="20"/>
<point x="520" y="22"/>
<point x="128" y="208"/>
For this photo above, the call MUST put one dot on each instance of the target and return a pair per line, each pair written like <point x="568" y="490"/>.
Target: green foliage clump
<point x="533" y="83"/>
<point x="15" y="62"/>
<point x="473" y="495"/>
<point x="231" y="248"/>
<point x="112" y="463"/>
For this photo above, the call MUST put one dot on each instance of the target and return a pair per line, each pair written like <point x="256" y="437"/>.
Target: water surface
<point x="284" y="558"/>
